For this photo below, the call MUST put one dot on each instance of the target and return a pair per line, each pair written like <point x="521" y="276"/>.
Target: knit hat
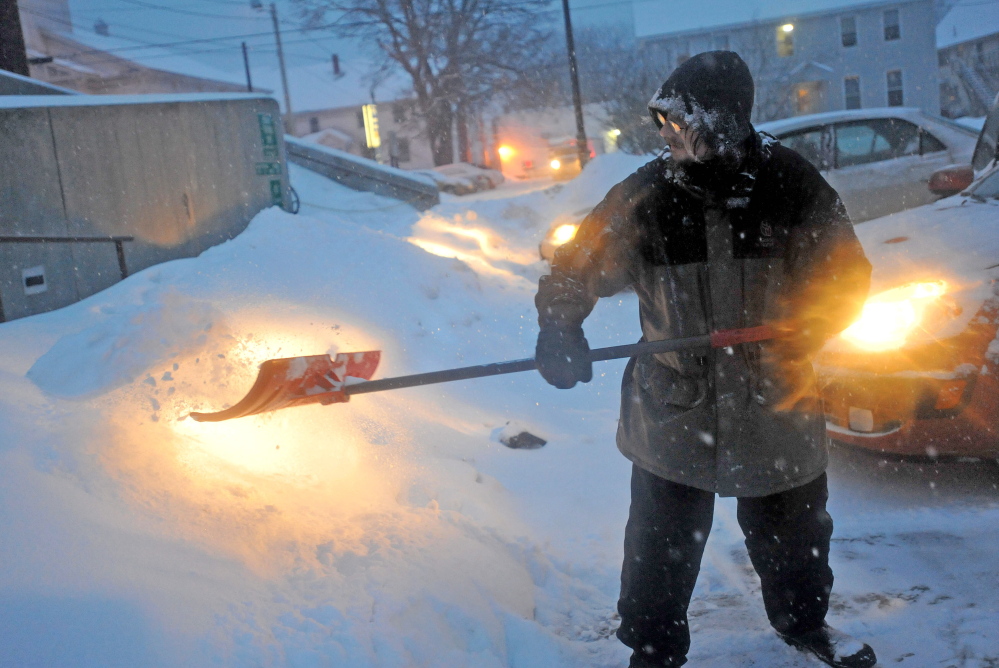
<point x="712" y="92"/>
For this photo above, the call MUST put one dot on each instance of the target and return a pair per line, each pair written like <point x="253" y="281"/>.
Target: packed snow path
<point x="395" y="530"/>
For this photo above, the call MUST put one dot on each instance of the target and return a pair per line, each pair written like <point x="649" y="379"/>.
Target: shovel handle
<point x="721" y="339"/>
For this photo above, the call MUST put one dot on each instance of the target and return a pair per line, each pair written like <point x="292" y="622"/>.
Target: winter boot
<point x="833" y="647"/>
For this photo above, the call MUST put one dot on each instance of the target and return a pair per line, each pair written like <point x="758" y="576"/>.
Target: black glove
<point x="563" y="357"/>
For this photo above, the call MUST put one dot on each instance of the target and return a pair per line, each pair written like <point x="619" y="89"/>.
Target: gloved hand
<point x="562" y="355"/>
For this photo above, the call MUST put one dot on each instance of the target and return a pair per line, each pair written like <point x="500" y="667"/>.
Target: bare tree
<point x="613" y="72"/>
<point x="458" y="53"/>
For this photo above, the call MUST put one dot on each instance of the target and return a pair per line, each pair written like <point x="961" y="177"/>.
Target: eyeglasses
<point x="677" y="128"/>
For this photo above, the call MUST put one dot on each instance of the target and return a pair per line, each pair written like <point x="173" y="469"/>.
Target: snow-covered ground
<point x="395" y="530"/>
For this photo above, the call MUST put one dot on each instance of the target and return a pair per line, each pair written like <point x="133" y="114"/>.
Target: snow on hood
<point x="955" y="239"/>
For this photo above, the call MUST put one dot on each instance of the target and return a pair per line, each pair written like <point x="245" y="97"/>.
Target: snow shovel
<point x="319" y="379"/>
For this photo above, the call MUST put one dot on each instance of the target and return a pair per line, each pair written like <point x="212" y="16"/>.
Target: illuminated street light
<point x="787" y="27"/>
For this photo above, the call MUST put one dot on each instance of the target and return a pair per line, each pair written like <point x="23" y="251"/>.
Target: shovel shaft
<point x="716" y="340"/>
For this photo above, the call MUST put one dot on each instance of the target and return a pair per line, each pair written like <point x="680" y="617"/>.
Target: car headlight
<point x="891" y="318"/>
<point x="564" y="233"/>
<point x="556" y="164"/>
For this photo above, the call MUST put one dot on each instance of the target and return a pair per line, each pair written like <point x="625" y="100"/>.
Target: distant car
<point x="461" y="178"/>
<point x="879" y="160"/>
<point x="563" y="159"/>
<point x="918" y="373"/>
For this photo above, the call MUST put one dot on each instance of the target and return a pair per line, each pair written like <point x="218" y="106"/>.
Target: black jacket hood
<point x="713" y="92"/>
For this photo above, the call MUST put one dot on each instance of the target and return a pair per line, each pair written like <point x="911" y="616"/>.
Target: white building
<point x="807" y="56"/>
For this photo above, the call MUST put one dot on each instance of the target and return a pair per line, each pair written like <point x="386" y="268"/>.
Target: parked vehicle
<point x="918" y="373"/>
<point x="461" y="178"/>
<point x="879" y="160"/>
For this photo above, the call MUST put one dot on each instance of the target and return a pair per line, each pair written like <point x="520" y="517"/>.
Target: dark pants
<point x="787" y="535"/>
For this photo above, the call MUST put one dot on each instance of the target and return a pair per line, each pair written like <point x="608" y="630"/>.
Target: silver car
<point x="879" y="160"/>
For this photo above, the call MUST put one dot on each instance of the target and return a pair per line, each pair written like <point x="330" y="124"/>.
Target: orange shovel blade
<point x="297" y="381"/>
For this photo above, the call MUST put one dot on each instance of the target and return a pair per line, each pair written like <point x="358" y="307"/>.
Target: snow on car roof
<point x="910" y="113"/>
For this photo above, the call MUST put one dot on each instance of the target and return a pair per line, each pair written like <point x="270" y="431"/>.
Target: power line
<point x="188" y="12"/>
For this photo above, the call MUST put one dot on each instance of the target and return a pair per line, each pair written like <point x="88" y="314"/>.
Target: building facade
<point x="72" y="59"/>
<point x="968" y="44"/>
<point x="849" y="56"/>
<point x="389" y="132"/>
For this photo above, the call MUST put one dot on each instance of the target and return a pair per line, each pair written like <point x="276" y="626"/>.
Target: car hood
<point x="956" y="239"/>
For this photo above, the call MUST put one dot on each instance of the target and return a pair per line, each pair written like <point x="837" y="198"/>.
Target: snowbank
<point x="394" y="530"/>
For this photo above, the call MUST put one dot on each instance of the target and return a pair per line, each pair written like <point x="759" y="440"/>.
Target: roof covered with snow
<point x="656" y="17"/>
<point x="162" y="59"/>
<point x="968" y="20"/>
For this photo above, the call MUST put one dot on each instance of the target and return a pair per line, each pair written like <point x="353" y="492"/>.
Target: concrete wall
<point x="15" y="84"/>
<point x="179" y="173"/>
<point x="363" y="174"/>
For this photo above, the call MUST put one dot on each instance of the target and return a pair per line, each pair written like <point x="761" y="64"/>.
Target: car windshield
<point x="989" y="187"/>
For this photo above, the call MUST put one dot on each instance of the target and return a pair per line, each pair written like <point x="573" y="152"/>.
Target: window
<point x="360" y="118"/>
<point x="848" y="30"/>
<point x="863" y="142"/>
<point x="893" y="30"/>
<point x="895" y="97"/>
<point x="402" y="145"/>
<point x="314" y="124"/>
<point x="851" y="92"/>
<point x="989" y="188"/>
<point x="785" y="40"/>
<point x="809" y="144"/>
<point x="721" y="42"/>
<point x="929" y="144"/>
<point x="399" y="112"/>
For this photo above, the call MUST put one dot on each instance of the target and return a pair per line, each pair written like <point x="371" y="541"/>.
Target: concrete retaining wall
<point x="15" y="84"/>
<point x="179" y="173"/>
<point x="363" y="174"/>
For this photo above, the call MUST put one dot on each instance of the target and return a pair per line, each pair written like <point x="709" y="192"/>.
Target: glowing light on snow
<point x="556" y="164"/>
<point x="891" y="317"/>
<point x="505" y="152"/>
<point x="454" y="238"/>
<point x="564" y="233"/>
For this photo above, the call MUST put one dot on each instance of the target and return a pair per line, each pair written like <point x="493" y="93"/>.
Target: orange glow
<point x="556" y="164"/>
<point x="564" y="233"/>
<point x="506" y="152"/>
<point x="891" y="317"/>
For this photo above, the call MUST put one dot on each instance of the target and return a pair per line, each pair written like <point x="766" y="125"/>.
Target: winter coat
<point x="774" y="245"/>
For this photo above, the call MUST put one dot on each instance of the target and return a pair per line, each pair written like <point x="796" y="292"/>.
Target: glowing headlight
<point x="556" y="164"/>
<point x="891" y="317"/>
<point x="564" y="233"/>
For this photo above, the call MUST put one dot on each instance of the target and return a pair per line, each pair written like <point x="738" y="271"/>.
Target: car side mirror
<point x="951" y="180"/>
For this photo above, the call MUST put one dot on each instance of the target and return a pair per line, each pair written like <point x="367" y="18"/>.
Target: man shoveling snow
<point x="725" y="230"/>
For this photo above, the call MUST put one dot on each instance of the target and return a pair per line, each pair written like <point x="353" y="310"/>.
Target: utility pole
<point x="246" y="64"/>
<point x="582" y="145"/>
<point x="284" y="72"/>
<point x="13" y="54"/>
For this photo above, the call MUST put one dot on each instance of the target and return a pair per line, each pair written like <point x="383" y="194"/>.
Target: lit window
<point x="785" y="40"/>
<point x="895" y="96"/>
<point x="893" y="30"/>
<point x="848" y="30"/>
<point x="851" y="92"/>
